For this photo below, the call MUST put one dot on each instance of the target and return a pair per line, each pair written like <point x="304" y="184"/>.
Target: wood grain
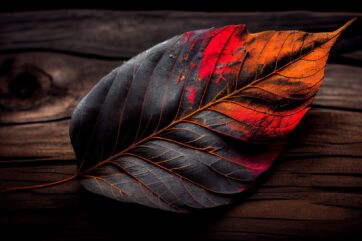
<point x="313" y="191"/>
<point x="112" y="34"/>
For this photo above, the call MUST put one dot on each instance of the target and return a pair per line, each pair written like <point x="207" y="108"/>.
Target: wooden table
<point x="50" y="59"/>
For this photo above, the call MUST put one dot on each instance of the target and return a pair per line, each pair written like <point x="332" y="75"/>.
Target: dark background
<point x="187" y="5"/>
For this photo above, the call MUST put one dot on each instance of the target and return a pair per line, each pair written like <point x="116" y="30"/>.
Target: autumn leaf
<point x="195" y="120"/>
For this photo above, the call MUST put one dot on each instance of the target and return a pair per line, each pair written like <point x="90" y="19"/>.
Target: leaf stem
<point x="49" y="184"/>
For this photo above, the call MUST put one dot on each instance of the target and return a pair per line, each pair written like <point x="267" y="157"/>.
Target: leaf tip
<point x="346" y="25"/>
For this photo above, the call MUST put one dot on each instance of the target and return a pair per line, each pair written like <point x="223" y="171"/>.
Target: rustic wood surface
<point x="50" y="59"/>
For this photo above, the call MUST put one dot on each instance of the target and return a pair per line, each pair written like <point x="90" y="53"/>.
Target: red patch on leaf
<point x="191" y="95"/>
<point x="223" y="50"/>
<point x="187" y="35"/>
<point x="213" y="50"/>
<point x="268" y="125"/>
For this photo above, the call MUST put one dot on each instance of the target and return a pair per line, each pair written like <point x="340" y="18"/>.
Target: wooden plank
<point x="342" y="88"/>
<point x="112" y="34"/>
<point x="59" y="81"/>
